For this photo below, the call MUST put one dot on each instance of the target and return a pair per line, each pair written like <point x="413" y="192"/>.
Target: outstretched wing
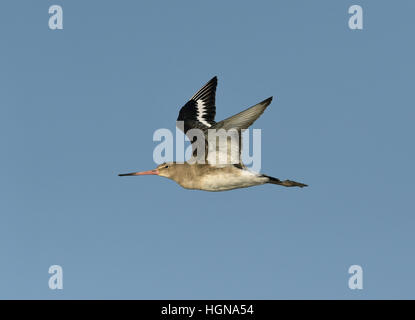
<point x="222" y="145"/>
<point x="244" y="119"/>
<point x="231" y="129"/>
<point x="199" y="112"/>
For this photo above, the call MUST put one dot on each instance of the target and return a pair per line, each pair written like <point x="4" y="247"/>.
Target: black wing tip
<point x="214" y="80"/>
<point x="268" y="100"/>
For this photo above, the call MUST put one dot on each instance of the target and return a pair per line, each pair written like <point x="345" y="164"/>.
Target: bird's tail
<point x="285" y="183"/>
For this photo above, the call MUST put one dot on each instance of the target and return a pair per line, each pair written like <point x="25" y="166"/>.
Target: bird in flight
<point x="213" y="167"/>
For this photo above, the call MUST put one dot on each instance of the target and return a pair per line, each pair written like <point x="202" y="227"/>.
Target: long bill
<point x="142" y="173"/>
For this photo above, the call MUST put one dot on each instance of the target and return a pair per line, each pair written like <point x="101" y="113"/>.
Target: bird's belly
<point x="228" y="181"/>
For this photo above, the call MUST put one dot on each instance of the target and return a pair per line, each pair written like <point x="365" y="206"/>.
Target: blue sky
<point x="80" y="105"/>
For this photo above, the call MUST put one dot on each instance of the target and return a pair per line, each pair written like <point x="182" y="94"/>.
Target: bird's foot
<point x="290" y="183"/>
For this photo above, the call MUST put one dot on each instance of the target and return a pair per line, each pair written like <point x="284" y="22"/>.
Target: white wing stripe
<point x="201" y="112"/>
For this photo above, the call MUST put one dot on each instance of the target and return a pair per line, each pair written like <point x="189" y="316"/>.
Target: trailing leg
<point x="285" y="183"/>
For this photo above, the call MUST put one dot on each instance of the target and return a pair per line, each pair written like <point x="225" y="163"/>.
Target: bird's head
<point x="166" y="169"/>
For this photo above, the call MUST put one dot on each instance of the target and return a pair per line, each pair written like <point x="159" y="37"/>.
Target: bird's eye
<point x="166" y="166"/>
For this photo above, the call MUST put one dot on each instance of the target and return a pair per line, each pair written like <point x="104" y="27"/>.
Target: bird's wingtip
<point x="267" y="101"/>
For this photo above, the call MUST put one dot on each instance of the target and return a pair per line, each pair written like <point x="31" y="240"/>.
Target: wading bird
<point x="211" y="174"/>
